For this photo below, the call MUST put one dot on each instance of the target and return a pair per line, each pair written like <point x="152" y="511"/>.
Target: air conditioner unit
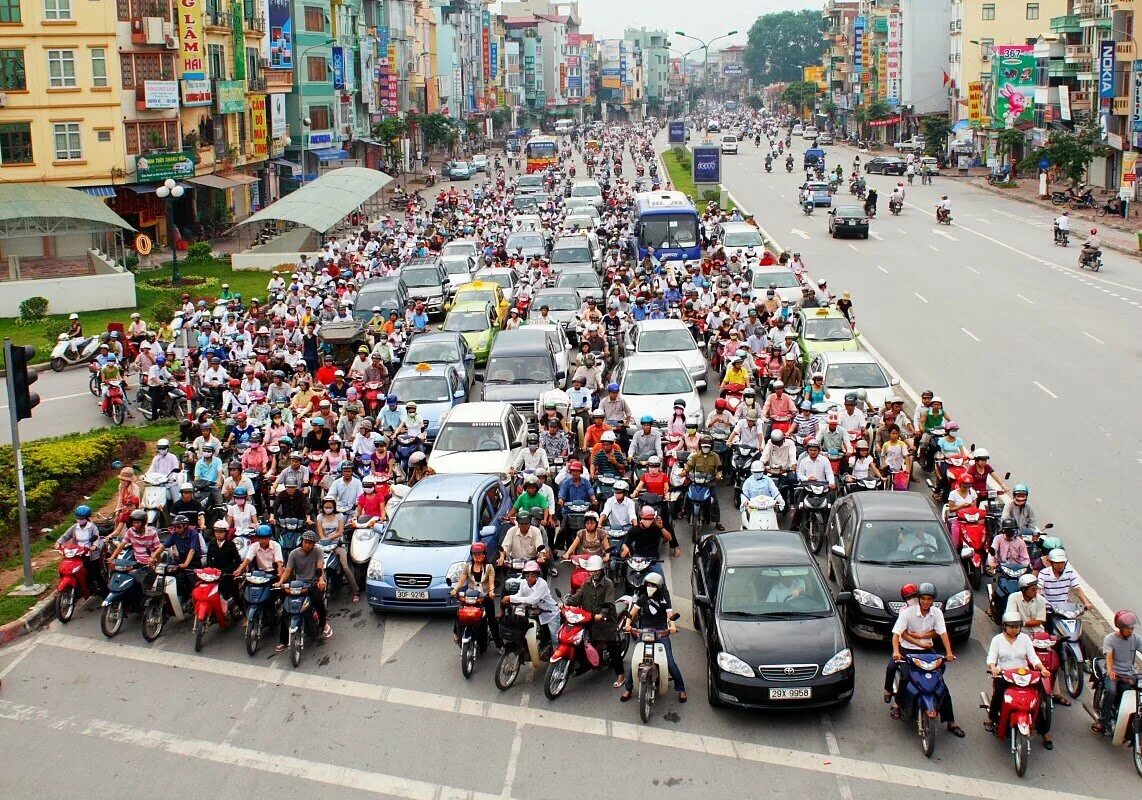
<point x="262" y="63"/>
<point x="3" y="100"/>
<point x="171" y="43"/>
<point x="154" y="29"/>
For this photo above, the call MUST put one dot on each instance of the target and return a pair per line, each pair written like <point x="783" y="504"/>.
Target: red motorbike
<point x="732" y="393"/>
<point x="209" y="604"/>
<point x="573" y="653"/>
<point x="579" y="573"/>
<point x="73" y="583"/>
<point x="969" y="533"/>
<point x="114" y="404"/>
<point x="473" y="629"/>
<point x="1022" y="705"/>
<point x="1046" y="647"/>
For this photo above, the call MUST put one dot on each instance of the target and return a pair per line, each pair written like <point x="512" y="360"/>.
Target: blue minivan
<point x="428" y="540"/>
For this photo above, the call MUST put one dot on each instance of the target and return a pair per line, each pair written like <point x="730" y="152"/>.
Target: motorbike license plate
<point x="803" y="693"/>
<point x="412" y="594"/>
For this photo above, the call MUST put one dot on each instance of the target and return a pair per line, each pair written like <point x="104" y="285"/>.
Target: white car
<point x="729" y="144"/>
<point x="506" y="277"/>
<point x="851" y="371"/>
<point x="809" y="133"/>
<point x="797" y="130"/>
<point x="480" y="162"/>
<point x="588" y="190"/>
<point x="785" y="282"/>
<point x="739" y="237"/>
<point x="824" y="137"/>
<point x="670" y="337"/>
<point x="484" y="437"/>
<point x="651" y="383"/>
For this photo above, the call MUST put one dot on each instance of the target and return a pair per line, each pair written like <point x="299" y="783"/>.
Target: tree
<point x="755" y="102"/>
<point x="800" y="94"/>
<point x="879" y="109"/>
<point x="1070" y="153"/>
<point x="438" y="130"/>
<point x="936" y="133"/>
<point x="1009" y="146"/>
<point x="779" y="44"/>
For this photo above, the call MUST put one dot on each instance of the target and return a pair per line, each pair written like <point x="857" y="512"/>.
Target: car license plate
<point x="791" y="694"/>
<point x="412" y="594"/>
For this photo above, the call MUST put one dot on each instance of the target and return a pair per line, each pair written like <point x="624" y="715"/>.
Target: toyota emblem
<point x="789" y="670"/>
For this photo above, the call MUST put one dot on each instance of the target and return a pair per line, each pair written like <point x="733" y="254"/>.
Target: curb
<point x="33" y="619"/>
<point x="37" y="368"/>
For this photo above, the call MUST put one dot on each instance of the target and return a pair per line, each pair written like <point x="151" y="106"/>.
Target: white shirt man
<point x="815" y="469"/>
<point x="920" y="625"/>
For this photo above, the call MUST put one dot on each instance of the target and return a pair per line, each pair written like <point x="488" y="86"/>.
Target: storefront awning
<point x="213" y="181"/>
<point x="326" y="201"/>
<point x="241" y="178"/>
<point x="98" y="191"/>
<point x="285" y="162"/>
<point x="150" y="188"/>
<point x="331" y="154"/>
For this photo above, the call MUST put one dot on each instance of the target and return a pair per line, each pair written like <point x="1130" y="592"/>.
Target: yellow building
<point x="60" y="119"/>
<point x="422" y="84"/>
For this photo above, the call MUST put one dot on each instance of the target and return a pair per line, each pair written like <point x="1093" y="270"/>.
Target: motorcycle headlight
<point x="867" y="599"/>
<point x="958" y="600"/>
<point x="453" y="573"/>
<point x="842" y="660"/>
<point x="734" y="665"/>
<point x="376" y="571"/>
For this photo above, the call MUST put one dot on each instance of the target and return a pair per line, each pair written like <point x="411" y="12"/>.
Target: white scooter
<point x="155" y="499"/>
<point x="1127" y="724"/>
<point x="365" y="539"/>
<point x="760" y="514"/>
<point x="64" y="355"/>
<point x="161" y="600"/>
<point x="649" y="668"/>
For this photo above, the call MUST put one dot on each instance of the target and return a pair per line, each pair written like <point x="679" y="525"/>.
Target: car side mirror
<point x="488" y="532"/>
<point x="702" y="601"/>
<point x="843" y="598"/>
<point x="838" y="551"/>
<point x="894" y="382"/>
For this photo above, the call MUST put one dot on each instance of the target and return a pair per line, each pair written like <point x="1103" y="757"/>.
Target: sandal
<point x="625" y="696"/>
<point x="327" y="632"/>
<point x="619" y="682"/>
<point x="989" y="727"/>
<point x="888" y="697"/>
<point x="957" y="731"/>
<point x="1060" y="700"/>
<point x="895" y="713"/>
<point x="280" y="648"/>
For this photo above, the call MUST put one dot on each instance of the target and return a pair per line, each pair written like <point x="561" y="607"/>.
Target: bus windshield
<point x="541" y="149"/>
<point x="670" y="231"/>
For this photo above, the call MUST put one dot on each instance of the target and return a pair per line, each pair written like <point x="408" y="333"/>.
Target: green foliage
<point x="52" y="328"/>
<point x="712" y="196"/>
<point x="755" y="102"/>
<point x="801" y="94"/>
<point x="780" y="43"/>
<point x="198" y="251"/>
<point x="682" y="156"/>
<point x="163" y="310"/>
<point x="879" y="109"/>
<point x="390" y="129"/>
<point x="130" y="261"/>
<point x="936" y="133"/>
<point x="1070" y="153"/>
<point x="34" y="308"/>
<point x="438" y="130"/>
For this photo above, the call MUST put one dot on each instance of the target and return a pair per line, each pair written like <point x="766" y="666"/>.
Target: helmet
<point x="980" y="452"/>
<point x="777" y="437"/>
<point x="221" y="525"/>
<point x="908" y="591"/>
<point x="647" y="419"/>
<point x="186" y="487"/>
<point x="952" y="426"/>
<point x="416" y="458"/>
<point x="647" y="513"/>
<point x="533" y="438"/>
<point x="594" y="564"/>
<point x="850" y="397"/>
<point x="479" y="547"/>
<point x="757" y="467"/>
<point x="531" y="566"/>
<point x="1027" y="580"/>
<point x="1050" y="543"/>
<point x="965" y="480"/>
<point x="622" y="486"/>
<point x="575" y="466"/>
<point x="1093" y="231"/>
<point x="329" y="499"/>
<point x="1057" y="556"/>
<point x="612" y="387"/>
<point x="654" y="579"/>
<point x="720" y="404"/>
<point x="83" y="512"/>
<point x="241" y="490"/>
<point x="1008" y="524"/>
<point x="138" y="515"/>
<point x="263" y="530"/>
<point x="597" y="414"/>
<point x="309" y="536"/>
<point x="180" y="519"/>
<point x="1020" y="488"/>
<point x="1125" y="619"/>
<point x="608" y="436"/>
<point x="928" y="589"/>
<point x="391" y="399"/>
<point x="1012" y="618"/>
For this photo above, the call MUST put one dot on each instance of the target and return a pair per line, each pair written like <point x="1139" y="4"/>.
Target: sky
<point x="702" y="18"/>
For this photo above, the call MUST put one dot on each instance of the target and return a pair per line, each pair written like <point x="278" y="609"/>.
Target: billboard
<point x="707" y="163"/>
<point x="1014" y="82"/>
<point x="196" y="92"/>
<point x="732" y="70"/>
<point x="281" y="35"/>
<point x="677" y="131"/>
<point x="259" y="125"/>
<point x="160" y="94"/>
<point x="814" y="74"/>
<point x="858" y="45"/>
<point x="1106" y="69"/>
<point x="975" y="103"/>
<point x="231" y="97"/>
<point x="894" y="41"/>
<point x="157" y="167"/>
<point x="338" y="67"/>
<point x="191" y="45"/>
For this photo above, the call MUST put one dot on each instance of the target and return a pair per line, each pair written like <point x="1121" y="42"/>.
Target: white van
<point x="564" y="126"/>
<point x="484" y="437"/>
<point x="729" y="144"/>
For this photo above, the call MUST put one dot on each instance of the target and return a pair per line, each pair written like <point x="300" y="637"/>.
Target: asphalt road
<point x="1001" y="323"/>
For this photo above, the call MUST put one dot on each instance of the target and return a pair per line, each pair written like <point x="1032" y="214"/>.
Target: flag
<point x="947" y="77"/>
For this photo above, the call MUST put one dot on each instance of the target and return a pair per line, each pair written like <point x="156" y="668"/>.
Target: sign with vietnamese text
<point x="196" y="92"/>
<point x="1065" y="102"/>
<point x="1014" y="80"/>
<point x="732" y="70"/>
<point x="238" y="29"/>
<point x="231" y="97"/>
<point x="160" y="94"/>
<point x="707" y="164"/>
<point x="975" y="103"/>
<point x="858" y="45"/>
<point x="259" y="124"/>
<point x="157" y="167"/>
<point x="338" y="58"/>
<point x="278" y="126"/>
<point x="281" y="35"/>
<point x="192" y="47"/>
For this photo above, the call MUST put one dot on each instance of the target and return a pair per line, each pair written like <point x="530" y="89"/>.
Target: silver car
<point x="853" y="371"/>
<point x="670" y="337"/>
<point x="651" y="383"/>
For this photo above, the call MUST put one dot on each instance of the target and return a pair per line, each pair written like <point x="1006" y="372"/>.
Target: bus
<point x="668" y="222"/>
<point x="541" y="152"/>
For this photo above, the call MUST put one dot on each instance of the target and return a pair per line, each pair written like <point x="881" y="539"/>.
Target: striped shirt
<point x="1056" y="588"/>
<point x="806" y="427"/>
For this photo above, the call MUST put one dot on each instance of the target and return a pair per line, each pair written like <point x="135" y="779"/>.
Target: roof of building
<point x="31" y="200"/>
<point x="323" y="203"/>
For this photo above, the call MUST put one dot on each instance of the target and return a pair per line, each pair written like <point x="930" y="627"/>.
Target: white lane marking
<point x="853" y="247"/>
<point x="243" y="757"/>
<point x="882" y="269"/>
<point x="984" y="221"/>
<point x="1045" y="389"/>
<point x="398" y="629"/>
<point x="901" y="230"/>
<point x="805" y="760"/>
<point x="238" y="719"/>
<point x="517" y="745"/>
<point x="921" y="297"/>
<point x="1093" y="338"/>
<point x="969" y="333"/>
<point x="799" y="232"/>
<point x="876" y="236"/>
<point x="61" y="397"/>
<point x="25" y="649"/>
<point x="945" y="234"/>
<point x="973" y="269"/>
<point x="845" y="791"/>
<point x="933" y="248"/>
<point x="1025" y="300"/>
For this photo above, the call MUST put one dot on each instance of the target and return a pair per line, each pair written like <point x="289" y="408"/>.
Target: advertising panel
<point x="259" y="125"/>
<point x="231" y="97"/>
<point x="677" y="131"/>
<point x="1014" y="82"/>
<point x="281" y="35"/>
<point x="858" y="45"/>
<point x="238" y="32"/>
<point x="975" y="102"/>
<point x="196" y="92"/>
<point x="157" y="167"/>
<point x="894" y="45"/>
<point x="338" y="58"/>
<point x="278" y="124"/>
<point x="160" y="94"/>
<point x="494" y="55"/>
<point x="1106" y="69"/>
<point x="732" y="70"/>
<point x="707" y="165"/>
<point x="1065" y="102"/>
<point x="191" y="45"/>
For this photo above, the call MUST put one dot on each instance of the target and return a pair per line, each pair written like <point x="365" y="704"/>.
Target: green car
<point x="477" y="322"/>
<point x="824" y="330"/>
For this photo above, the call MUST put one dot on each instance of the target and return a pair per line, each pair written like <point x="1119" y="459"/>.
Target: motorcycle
<point x="573" y="654"/>
<point x="1062" y="236"/>
<point x="769" y="166"/>
<point x="699" y="502"/>
<point x="299" y="608"/>
<point x="161" y="599"/>
<point x="114" y="405"/>
<point x="1006" y="584"/>
<point x="372" y="395"/>
<point x="258" y="594"/>
<point x="1126" y="727"/>
<point x="175" y="404"/>
<point x="974" y="543"/>
<point x="1046" y="647"/>
<point x="473" y="629"/>
<point x="209" y="604"/>
<point x="741" y="462"/>
<point x="922" y="694"/>
<point x="155" y="499"/>
<point x="816" y="501"/>
<point x="895" y="206"/>
<point x="651" y="675"/>
<point x="759" y="514"/>
<point x="73" y="580"/>
<point x="289" y="535"/>
<point x="943" y="216"/>
<point x="1090" y="259"/>
<point x="409" y="443"/>
<point x="1017" y="715"/>
<point x="1069" y="627"/>
<point x="789" y="166"/>
<point x="807" y="207"/>
<point x="365" y="538"/>
<point x="69" y="352"/>
<point x="523" y="636"/>
<point x="125" y="594"/>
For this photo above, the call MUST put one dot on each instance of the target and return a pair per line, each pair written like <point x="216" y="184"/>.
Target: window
<point x="57" y="9"/>
<point x="986" y="47"/>
<point x="16" y="143"/>
<point x="10" y="12"/>
<point x="103" y="136"/>
<point x="98" y="67"/>
<point x="216" y="56"/>
<point x="12" y="75"/>
<point x="67" y="141"/>
<point x="314" y="19"/>
<point x="320" y="118"/>
<point x="61" y="68"/>
<point x="989" y="10"/>
<point x="1032" y="11"/>
<point x="315" y="69"/>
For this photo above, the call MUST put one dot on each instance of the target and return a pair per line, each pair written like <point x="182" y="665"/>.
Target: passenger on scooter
<point x="915" y="631"/>
<point x="758" y="484"/>
<point x="478" y="574"/>
<point x="1019" y="509"/>
<point x="652" y="605"/>
<point x="306" y="563"/>
<point x="209" y="468"/>
<point x="1120" y="647"/>
<point x="1012" y="649"/>
<point x="597" y="595"/>
<point x="534" y="591"/>
<point x="861" y="465"/>
<point x="222" y="555"/>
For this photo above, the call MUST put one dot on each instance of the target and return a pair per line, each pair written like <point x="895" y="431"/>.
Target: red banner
<point x="883" y="123"/>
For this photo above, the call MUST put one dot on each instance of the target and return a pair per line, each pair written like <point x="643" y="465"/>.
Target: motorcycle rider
<point x="1058" y="578"/>
<point x="652" y="605"/>
<point x="306" y="563"/>
<point x="1092" y="248"/>
<point x="646" y="442"/>
<point x="916" y="630"/>
<point x="85" y="533"/>
<point x="143" y="539"/>
<point x="166" y="463"/>
<point x="478" y="574"/>
<point x="524" y="540"/>
<point x="943" y="208"/>
<point x="534" y="591"/>
<point x="1012" y="649"/>
<point x="757" y="484"/>
<point x="1028" y="602"/>
<point x="708" y="462"/>
<point x="833" y="438"/>
<point x="186" y="545"/>
<point x="209" y="468"/>
<point x="813" y="466"/>
<point x="896" y="199"/>
<point x="1062" y="226"/>
<point x="1120" y="647"/>
<point x="619" y="509"/>
<point x="1019" y="509"/>
<point x="778" y="407"/>
<point x="870" y="203"/>
<point x="222" y="554"/>
<point x="746" y="431"/>
<point x="597" y="595"/>
<point x="1008" y="546"/>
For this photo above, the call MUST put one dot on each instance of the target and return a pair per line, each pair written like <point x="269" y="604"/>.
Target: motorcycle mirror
<point x="1006" y="475"/>
<point x="1048" y="526"/>
<point x="843" y="598"/>
<point x="838" y="551"/>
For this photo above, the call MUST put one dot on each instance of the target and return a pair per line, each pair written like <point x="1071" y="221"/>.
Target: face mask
<point x="705" y="448"/>
<point x="370" y="488"/>
<point x="651" y="590"/>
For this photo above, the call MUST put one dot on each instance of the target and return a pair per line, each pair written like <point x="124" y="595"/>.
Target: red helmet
<point x="235" y="383"/>
<point x="575" y="466"/>
<point x="965" y="480"/>
<point x="908" y="591"/>
<point x="1125" y="619"/>
<point x="479" y="547"/>
<point x="1093" y="231"/>
<point x="720" y="404"/>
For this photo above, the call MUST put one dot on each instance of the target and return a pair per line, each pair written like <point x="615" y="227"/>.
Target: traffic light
<point x="17" y="358"/>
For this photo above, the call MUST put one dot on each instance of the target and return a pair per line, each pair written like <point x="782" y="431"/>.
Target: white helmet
<point x="594" y="564"/>
<point x="1012" y="618"/>
<point x="757" y="467"/>
<point x="980" y="452"/>
<point x="655" y="579"/>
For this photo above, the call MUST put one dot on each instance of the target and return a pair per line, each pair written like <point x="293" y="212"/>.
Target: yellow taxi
<point x="824" y="330"/>
<point x="483" y="292"/>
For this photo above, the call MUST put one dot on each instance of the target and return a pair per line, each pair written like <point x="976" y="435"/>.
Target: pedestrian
<point x="845" y="306"/>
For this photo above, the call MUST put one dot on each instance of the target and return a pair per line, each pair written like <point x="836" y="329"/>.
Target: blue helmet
<point x="1021" y="488"/>
<point x="263" y="530"/>
<point x="83" y="512"/>
<point x="161" y="360"/>
<point x="612" y="387"/>
<point x="647" y="419"/>
<point x="391" y="399"/>
<point x="241" y="492"/>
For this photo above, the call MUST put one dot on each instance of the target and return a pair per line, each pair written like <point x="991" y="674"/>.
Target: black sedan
<point x="886" y="165"/>
<point x="848" y="221"/>
<point x="774" y="638"/>
<point x="879" y="541"/>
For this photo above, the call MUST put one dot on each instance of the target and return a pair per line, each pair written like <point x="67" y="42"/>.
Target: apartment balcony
<point x="1067" y="24"/>
<point x="1085" y="8"/>
<point x="256" y="83"/>
<point x="255" y="26"/>
<point x="1078" y="53"/>
<point x="1063" y="69"/>
<point x="1124" y="51"/>
<point x="1120" y="106"/>
<point x="1080" y="101"/>
<point x="278" y="81"/>
<point x="217" y="21"/>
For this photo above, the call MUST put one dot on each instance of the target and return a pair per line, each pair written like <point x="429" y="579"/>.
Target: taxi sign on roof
<point x="822" y="312"/>
<point x="423" y="367"/>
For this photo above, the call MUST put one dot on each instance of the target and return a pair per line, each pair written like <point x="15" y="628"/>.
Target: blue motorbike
<point x="289" y="535"/>
<point x="125" y="593"/>
<point x="1006" y="584"/>
<point x="922" y="694"/>
<point x="699" y="502"/>
<point x="299" y="610"/>
<point x="258" y="593"/>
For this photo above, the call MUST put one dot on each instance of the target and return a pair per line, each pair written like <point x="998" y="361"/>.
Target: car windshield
<point x="585" y="191"/>
<point x="525" y="201"/>
<point x="533" y="241"/>
<point x="430" y="524"/>
<point x="656" y="381"/>
<point x="783" y="279"/>
<point x="466" y="321"/>
<point x="420" y="277"/>
<point x="843" y="376"/>
<point x="431" y="352"/>
<point x="665" y="341"/>
<point x="529" y="181"/>
<point x="456" y="266"/>
<point x="504" y="279"/>
<point x="520" y="369"/>
<point x="384" y="299"/>
<point x="743" y="239"/>
<point x="571" y="255"/>
<point x="819" y="187"/>
<point x="471" y="437"/>
<point x="460" y="165"/>
<point x="578" y="280"/>
<point x="558" y="302"/>
<point x="903" y="542"/>
<point x="773" y="592"/>
<point x="828" y="329"/>
<point x="459" y="249"/>
<point x="584" y="222"/>
<point x="421" y="388"/>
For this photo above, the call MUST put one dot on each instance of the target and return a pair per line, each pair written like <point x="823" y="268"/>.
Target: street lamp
<point x="305" y="122"/>
<point x="705" y="48"/>
<point x="168" y="193"/>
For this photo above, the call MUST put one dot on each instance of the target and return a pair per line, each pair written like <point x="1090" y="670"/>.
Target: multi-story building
<point x="655" y="48"/>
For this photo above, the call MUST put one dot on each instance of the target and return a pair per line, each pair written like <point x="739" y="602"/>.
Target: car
<point x="388" y="294"/>
<point x="650" y="383"/>
<point x="737" y="238"/>
<point x="877" y="542"/>
<point x="479" y="437"/>
<point x="571" y="251"/>
<point x="480" y="163"/>
<point x="458" y="247"/>
<point x="457" y="170"/>
<point x="427" y="282"/>
<point x="822" y="193"/>
<point x="479" y="324"/>
<point x="529" y="203"/>
<point x="527" y="243"/>
<point x="767" y="647"/>
<point x="886" y="165"/>
<point x="435" y="388"/>
<point x="588" y="189"/>
<point x="525" y="222"/>
<point x="428" y="539"/>
<point x="848" y="220"/>
<point x="581" y="278"/>
<point x="798" y="129"/>
<point x="915" y="144"/>
<point x="580" y="220"/>
<point x="849" y="371"/>
<point x="484" y="292"/>
<point x="781" y="278"/>
<point x="506" y="277"/>
<point x="521" y="367"/>
<point x="931" y="163"/>
<point x="729" y="144"/>
<point x="528" y="184"/>
<point x="669" y="336"/>
<point x="824" y="137"/>
<point x="557" y="338"/>
<point x="459" y="268"/>
<point x="810" y="133"/>
<point x="822" y="330"/>
<point x="562" y="304"/>
<point x="578" y="224"/>
<point x="443" y="347"/>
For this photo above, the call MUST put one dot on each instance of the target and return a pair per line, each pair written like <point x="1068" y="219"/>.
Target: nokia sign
<point x="1106" y="69"/>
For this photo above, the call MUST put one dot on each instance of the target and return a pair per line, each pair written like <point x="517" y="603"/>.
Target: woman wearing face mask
<point x="677" y="424"/>
<point x="597" y="595"/>
<point x="241" y="513"/>
<point x="371" y="504"/>
<point x="478" y="574"/>
<point x="652" y="606"/>
<point x="331" y="528"/>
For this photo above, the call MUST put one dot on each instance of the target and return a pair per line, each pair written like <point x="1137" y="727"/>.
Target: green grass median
<point x="678" y="164"/>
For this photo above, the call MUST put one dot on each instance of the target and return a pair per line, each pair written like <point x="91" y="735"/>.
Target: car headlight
<point x="376" y="572"/>
<point x="867" y="599"/>
<point x="733" y="664"/>
<point x="958" y="600"/>
<point x="841" y="661"/>
<point x="436" y="298"/>
<point x="453" y="573"/>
